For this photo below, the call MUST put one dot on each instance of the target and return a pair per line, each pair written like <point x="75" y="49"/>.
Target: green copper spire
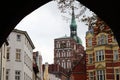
<point x="73" y="25"/>
<point x="73" y="22"/>
<point x="73" y="29"/>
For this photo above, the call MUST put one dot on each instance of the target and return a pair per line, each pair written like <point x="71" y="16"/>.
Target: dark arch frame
<point x="13" y="11"/>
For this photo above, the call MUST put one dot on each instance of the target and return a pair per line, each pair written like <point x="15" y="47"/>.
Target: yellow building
<point x="102" y="53"/>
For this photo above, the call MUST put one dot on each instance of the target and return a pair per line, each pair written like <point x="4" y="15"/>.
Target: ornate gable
<point x="101" y="26"/>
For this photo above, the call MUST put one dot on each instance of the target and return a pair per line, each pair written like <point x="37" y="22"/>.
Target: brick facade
<point x="103" y="56"/>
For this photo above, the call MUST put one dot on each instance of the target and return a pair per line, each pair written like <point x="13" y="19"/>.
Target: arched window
<point x="89" y="41"/>
<point x="68" y="43"/>
<point x="68" y="64"/>
<point x="63" y="64"/>
<point x="102" y="39"/>
<point x="64" y="54"/>
<point x="58" y="54"/>
<point x="57" y="44"/>
<point x="69" y="53"/>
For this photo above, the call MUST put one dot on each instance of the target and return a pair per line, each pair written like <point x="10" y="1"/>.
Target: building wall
<point x="103" y="55"/>
<point x="67" y="52"/>
<point x="38" y="62"/>
<point x="3" y="50"/>
<point x="79" y="71"/>
<point x="20" y="40"/>
<point x="56" y="72"/>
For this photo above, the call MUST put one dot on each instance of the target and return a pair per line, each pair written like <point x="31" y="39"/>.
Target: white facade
<point x="3" y="50"/>
<point x="19" y="56"/>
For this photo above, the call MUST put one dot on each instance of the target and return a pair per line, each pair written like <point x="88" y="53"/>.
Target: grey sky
<point x="44" y="25"/>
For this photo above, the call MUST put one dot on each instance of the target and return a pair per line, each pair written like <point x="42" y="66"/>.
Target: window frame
<point x="18" y="36"/>
<point x="100" y="55"/>
<point x="115" y="55"/>
<point x="18" y="76"/>
<point x="100" y="74"/>
<point x="91" y="77"/>
<point x="18" y="54"/>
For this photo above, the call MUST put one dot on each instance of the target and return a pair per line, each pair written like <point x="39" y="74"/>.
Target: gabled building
<point x="19" y="56"/>
<point x="102" y="53"/>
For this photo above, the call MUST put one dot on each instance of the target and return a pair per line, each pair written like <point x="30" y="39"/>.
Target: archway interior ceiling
<point x="13" y="11"/>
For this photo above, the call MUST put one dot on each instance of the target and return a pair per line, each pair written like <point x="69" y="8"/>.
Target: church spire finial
<point x="73" y="13"/>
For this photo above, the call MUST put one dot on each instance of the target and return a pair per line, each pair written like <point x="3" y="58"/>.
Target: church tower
<point x="68" y="50"/>
<point x="73" y="28"/>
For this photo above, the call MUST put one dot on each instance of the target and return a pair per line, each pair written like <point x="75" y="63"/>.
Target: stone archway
<point x="13" y="11"/>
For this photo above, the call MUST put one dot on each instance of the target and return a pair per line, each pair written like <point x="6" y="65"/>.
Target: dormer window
<point x="89" y="41"/>
<point x="102" y="39"/>
<point x="18" y="37"/>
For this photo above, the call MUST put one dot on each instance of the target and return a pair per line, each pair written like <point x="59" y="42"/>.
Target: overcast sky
<point x="44" y="25"/>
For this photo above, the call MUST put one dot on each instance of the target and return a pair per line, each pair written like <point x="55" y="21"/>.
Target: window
<point x="91" y="75"/>
<point x="68" y="53"/>
<point x="63" y="45"/>
<point x="90" y="58"/>
<point x="64" y="55"/>
<point x="8" y="53"/>
<point x="68" y="64"/>
<point x="117" y="74"/>
<point x="17" y="75"/>
<point x="90" y="42"/>
<point x="59" y="54"/>
<point x="115" y="55"/>
<point x="68" y="43"/>
<point x="18" y="37"/>
<point x="100" y="75"/>
<point x="63" y="64"/>
<point x="7" y="74"/>
<point x="18" y="51"/>
<point x="57" y="45"/>
<point x="102" y="40"/>
<point x="99" y="55"/>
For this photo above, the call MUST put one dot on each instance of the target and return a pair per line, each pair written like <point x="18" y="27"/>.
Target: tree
<point x="65" y="6"/>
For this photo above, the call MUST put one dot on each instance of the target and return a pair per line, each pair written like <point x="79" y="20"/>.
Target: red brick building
<point x="79" y="71"/>
<point x="68" y="51"/>
<point x="102" y="53"/>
